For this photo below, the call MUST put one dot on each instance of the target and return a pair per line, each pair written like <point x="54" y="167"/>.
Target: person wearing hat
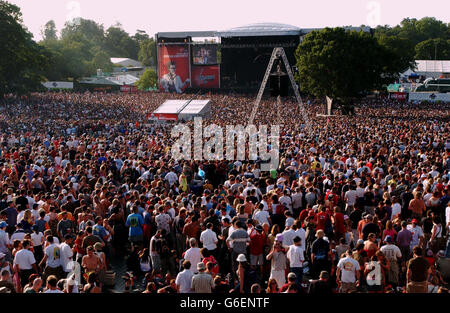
<point x="319" y="254"/>
<point x="443" y="265"/>
<point x="321" y="286"/>
<point x="257" y="243"/>
<point x="291" y="280"/>
<point x="393" y="254"/>
<point x="417" y="233"/>
<point x="202" y="282"/>
<point x="4" y="241"/>
<point x="102" y="268"/>
<point x="244" y="275"/>
<point x="370" y="227"/>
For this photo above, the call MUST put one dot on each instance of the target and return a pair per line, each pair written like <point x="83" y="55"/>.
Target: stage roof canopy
<point x="252" y="30"/>
<point x="261" y="29"/>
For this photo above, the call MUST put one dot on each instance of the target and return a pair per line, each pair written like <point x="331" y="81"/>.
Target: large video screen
<point x="205" y="76"/>
<point x="173" y="68"/>
<point x="204" y="54"/>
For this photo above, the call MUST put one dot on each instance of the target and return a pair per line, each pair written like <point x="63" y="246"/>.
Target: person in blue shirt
<point x="11" y="217"/>
<point x="135" y="221"/>
<point x="99" y="230"/>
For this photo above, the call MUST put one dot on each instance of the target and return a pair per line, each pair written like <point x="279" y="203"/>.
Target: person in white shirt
<point x="348" y="273"/>
<point x="184" y="278"/>
<point x="193" y="254"/>
<point x="396" y="208"/>
<point x="286" y="200"/>
<point x="26" y="262"/>
<point x="209" y="239"/>
<point x="171" y="177"/>
<point x="261" y="215"/>
<point x="417" y="233"/>
<point x="66" y="254"/>
<point x="288" y="236"/>
<point x="52" y="259"/>
<point x="296" y="257"/>
<point x="350" y="198"/>
<point x="392" y="253"/>
<point x="300" y="232"/>
<point x="297" y="200"/>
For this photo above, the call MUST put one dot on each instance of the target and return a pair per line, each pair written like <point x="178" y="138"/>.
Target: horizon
<point x="198" y="16"/>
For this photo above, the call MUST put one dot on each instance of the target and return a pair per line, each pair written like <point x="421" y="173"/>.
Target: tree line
<point x="324" y="58"/>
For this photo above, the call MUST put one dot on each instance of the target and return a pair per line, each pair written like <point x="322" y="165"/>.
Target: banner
<point x="206" y="76"/>
<point x="398" y="95"/>
<point x="128" y="89"/>
<point x="173" y="65"/>
<point x="204" y="54"/>
<point x="166" y="116"/>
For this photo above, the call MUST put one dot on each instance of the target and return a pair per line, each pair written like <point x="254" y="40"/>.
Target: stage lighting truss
<point x="277" y="53"/>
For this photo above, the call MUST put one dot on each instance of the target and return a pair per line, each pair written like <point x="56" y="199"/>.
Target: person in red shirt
<point x="303" y="214"/>
<point x="321" y="218"/>
<point x="339" y="224"/>
<point x="257" y="242"/>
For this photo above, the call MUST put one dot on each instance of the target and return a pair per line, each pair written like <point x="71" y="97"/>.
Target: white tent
<point x="195" y="108"/>
<point x="170" y="109"/>
<point x="433" y="68"/>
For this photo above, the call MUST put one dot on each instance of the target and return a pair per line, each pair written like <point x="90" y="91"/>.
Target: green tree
<point x="343" y="64"/>
<point x="402" y="48"/>
<point x="147" y="52"/>
<point x="102" y="61"/>
<point x="22" y="60"/>
<point x="49" y="31"/>
<point x="140" y="36"/>
<point x="433" y="49"/>
<point x="118" y="43"/>
<point x="147" y="80"/>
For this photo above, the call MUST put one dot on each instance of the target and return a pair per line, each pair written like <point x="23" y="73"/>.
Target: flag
<point x="329" y="105"/>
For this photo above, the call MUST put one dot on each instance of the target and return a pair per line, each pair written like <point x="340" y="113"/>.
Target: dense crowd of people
<point x="357" y="204"/>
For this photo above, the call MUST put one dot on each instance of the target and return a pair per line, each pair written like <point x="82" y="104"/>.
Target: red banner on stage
<point x="173" y="65"/>
<point x="206" y="76"/>
<point x="398" y="95"/>
<point x="166" y="116"/>
<point x="129" y="89"/>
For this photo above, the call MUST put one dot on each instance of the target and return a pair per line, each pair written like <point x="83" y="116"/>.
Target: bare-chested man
<point x="91" y="262"/>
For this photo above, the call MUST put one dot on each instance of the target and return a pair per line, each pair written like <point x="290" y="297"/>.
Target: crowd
<point x="357" y="204"/>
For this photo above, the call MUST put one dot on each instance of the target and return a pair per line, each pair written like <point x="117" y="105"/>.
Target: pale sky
<point x="192" y="15"/>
